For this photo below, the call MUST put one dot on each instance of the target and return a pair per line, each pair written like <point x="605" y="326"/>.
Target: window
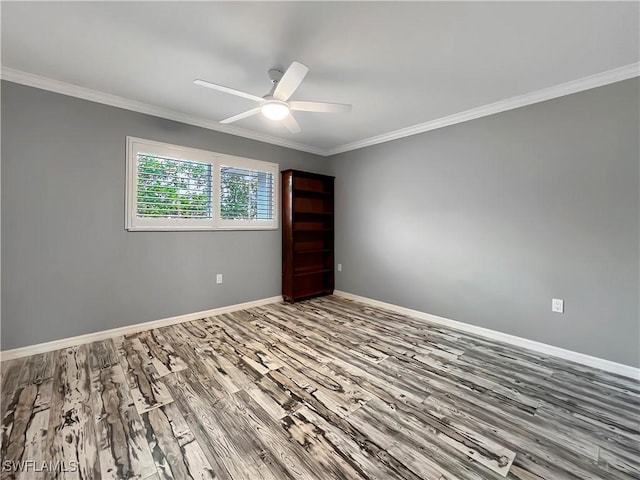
<point x="178" y="188"/>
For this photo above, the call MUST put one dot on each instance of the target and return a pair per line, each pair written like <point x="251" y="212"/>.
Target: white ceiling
<point x="399" y="64"/>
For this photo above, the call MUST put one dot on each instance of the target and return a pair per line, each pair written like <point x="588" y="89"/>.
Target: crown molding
<point x="598" y="80"/>
<point x="45" y="83"/>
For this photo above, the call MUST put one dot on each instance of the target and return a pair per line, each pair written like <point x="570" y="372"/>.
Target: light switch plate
<point x="219" y="278"/>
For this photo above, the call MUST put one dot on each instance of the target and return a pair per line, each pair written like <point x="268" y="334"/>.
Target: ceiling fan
<point x="275" y="105"/>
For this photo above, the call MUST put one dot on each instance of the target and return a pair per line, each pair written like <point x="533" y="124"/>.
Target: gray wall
<point x="68" y="265"/>
<point x="484" y="222"/>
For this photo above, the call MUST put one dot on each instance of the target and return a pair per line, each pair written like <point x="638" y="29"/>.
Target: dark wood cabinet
<point x="307" y="235"/>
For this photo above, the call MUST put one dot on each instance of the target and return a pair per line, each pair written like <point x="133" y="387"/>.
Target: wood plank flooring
<point x="323" y="389"/>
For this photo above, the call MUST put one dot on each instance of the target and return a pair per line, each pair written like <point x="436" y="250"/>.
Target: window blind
<point x="172" y="188"/>
<point x="246" y="194"/>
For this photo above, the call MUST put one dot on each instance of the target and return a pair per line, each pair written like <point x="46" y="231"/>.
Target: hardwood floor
<point x="323" y="389"/>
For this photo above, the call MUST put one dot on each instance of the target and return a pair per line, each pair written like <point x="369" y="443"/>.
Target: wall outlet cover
<point x="219" y="278"/>
<point x="557" y="305"/>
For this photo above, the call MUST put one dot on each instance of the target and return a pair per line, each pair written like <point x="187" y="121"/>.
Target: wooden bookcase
<point x="307" y="235"/>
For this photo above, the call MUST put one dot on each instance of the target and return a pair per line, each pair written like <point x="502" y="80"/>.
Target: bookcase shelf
<point x="313" y="213"/>
<point x="307" y="235"/>
<point x="312" y="193"/>
<point x="311" y="251"/>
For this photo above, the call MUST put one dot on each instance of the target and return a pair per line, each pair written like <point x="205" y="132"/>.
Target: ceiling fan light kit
<point x="275" y="105"/>
<point x="274" y="109"/>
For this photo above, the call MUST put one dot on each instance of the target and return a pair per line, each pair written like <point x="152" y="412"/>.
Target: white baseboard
<point x="595" y="362"/>
<point x="129" y="329"/>
<point x="581" y="358"/>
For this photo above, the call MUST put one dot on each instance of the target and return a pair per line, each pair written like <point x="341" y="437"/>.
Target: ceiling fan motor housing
<point x="275" y="75"/>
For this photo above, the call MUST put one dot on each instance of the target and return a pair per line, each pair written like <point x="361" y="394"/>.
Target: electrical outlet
<point x="339" y="267"/>
<point x="219" y="278"/>
<point x="557" y="305"/>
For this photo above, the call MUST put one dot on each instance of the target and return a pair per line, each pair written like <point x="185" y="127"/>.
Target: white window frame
<point x="136" y="146"/>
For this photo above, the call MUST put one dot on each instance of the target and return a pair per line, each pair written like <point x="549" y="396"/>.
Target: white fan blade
<point x="232" y="91"/>
<point x="291" y="124"/>
<point x="290" y="81"/>
<point x="319" y="107"/>
<point x="240" y="116"/>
